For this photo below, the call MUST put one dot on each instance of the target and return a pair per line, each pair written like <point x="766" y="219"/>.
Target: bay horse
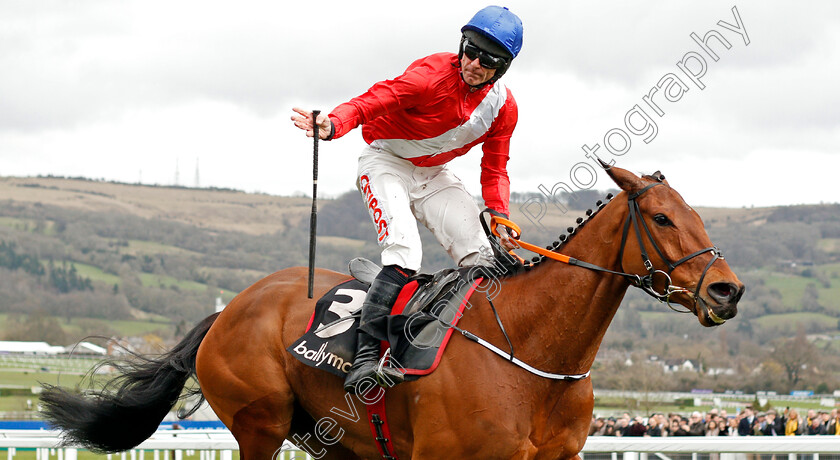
<point x="476" y="404"/>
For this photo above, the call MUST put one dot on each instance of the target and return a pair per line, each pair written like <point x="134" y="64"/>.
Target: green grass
<point x="789" y="320"/>
<point x="166" y="282"/>
<point x="792" y="287"/>
<point x="18" y="403"/>
<point x="34" y="379"/>
<point x="829" y="244"/>
<point x="136" y="247"/>
<point x="62" y="364"/>
<point x="28" y="225"/>
<point x="125" y="328"/>
<point x="96" y="274"/>
<point x="341" y="241"/>
<point x="135" y="328"/>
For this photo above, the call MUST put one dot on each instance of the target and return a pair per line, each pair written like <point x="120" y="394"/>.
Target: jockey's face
<point x="474" y="74"/>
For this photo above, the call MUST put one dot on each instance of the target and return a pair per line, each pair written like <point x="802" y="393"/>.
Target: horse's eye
<point x="662" y="219"/>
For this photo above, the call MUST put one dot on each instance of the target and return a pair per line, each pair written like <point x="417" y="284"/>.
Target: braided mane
<point x="570" y="232"/>
<point x="581" y="221"/>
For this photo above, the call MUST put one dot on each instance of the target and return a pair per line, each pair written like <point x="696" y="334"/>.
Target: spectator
<point x="636" y="428"/>
<point x="745" y="425"/>
<point x="673" y="423"/>
<point x="772" y="427"/>
<point x="713" y="423"/>
<point x="610" y="427"/>
<point x="653" y="427"/>
<point x="833" y="428"/>
<point x="758" y="423"/>
<point x="696" y="426"/>
<point x="712" y="428"/>
<point x="622" y="424"/>
<point x="679" y="426"/>
<point x="732" y="429"/>
<point x="794" y="426"/>
<point x="820" y="424"/>
<point x="713" y="412"/>
<point x="597" y="427"/>
<point x="812" y="416"/>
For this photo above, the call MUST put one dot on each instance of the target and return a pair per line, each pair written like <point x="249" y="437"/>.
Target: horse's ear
<point x="625" y="180"/>
<point x="657" y="176"/>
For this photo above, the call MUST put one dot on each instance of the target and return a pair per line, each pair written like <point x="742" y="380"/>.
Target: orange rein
<point x="635" y="280"/>
<point x="496" y="220"/>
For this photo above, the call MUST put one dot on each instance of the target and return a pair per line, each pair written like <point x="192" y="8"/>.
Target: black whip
<point x="313" y="218"/>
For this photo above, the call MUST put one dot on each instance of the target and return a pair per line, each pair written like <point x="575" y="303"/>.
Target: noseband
<point x="645" y="282"/>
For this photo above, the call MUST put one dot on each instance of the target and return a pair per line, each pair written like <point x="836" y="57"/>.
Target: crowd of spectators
<point x="718" y="423"/>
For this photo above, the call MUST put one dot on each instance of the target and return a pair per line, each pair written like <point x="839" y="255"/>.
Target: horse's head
<point x="665" y="243"/>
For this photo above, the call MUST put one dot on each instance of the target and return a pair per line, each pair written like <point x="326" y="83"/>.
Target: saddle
<point x="417" y="330"/>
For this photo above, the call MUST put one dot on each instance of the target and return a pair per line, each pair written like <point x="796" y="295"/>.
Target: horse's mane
<point x="564" y="238"/>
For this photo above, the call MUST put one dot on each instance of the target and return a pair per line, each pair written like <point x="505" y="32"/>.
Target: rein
<point x="643" y="282"/>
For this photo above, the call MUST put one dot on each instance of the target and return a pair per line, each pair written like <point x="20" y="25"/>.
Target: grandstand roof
<point x="42" y="348"/>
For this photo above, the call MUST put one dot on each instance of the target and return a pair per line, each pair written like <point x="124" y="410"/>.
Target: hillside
<point x="226" y="210"/>
<point x="81" y="257"/>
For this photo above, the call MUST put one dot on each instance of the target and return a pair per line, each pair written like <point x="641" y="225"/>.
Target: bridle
<point x="643" y="282"/>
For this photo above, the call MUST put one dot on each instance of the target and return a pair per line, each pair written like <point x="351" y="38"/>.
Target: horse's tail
<point x="131" y="406"/>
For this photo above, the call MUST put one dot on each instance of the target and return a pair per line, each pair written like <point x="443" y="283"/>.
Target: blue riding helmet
<point x="500" y="25"/>
<point x="498" y="32"/>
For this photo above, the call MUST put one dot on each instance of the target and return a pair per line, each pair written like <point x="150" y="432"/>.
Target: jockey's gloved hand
<point x="507" y="235"/>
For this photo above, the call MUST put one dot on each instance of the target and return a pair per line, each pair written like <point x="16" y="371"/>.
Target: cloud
<point x="151" y="82"/>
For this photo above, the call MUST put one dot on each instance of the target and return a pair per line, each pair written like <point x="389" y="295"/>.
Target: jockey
<point x="438" y="109"/>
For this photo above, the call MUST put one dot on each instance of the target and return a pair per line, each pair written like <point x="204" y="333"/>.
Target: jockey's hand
<point x="303" y="120"/>
<point x="507" y="237"/>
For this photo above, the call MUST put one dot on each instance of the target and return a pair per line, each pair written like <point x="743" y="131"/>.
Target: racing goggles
<point x="487" y="60"/>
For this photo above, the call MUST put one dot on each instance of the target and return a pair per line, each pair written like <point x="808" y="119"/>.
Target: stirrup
<point x="381" y="378"/>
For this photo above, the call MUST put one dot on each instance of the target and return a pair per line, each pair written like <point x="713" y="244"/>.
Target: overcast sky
<point x="127" y="90"/>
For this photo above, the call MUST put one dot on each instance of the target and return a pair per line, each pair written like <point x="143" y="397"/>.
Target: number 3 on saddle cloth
<point x="417" y="330"/>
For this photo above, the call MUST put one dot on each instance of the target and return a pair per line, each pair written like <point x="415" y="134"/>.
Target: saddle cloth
<point x="417" y="330"/>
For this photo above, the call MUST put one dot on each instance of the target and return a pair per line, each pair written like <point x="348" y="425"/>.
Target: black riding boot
<point x="380" y="297"/>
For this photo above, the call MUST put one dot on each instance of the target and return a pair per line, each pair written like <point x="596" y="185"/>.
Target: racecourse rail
<point x="174" y="444"/>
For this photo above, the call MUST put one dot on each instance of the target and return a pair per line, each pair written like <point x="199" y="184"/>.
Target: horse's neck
<point x="562" y="312"/>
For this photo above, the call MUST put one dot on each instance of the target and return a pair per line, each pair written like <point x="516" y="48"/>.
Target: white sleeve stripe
<point x="479" y="123"/>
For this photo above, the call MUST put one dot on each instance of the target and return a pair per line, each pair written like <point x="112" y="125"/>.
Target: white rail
<point x="714" y="444"/>
<point x="165" y="441"/>
<point x="159" y="445"/>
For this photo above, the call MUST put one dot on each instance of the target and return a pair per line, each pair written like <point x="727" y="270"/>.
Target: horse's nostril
<point x="724" y="292"/>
